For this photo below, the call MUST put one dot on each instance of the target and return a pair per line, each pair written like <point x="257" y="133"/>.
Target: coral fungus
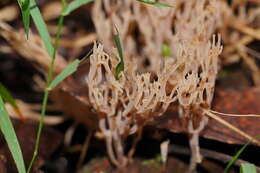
<point x="145" y="90"/>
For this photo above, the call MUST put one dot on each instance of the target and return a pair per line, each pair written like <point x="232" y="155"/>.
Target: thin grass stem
<point x="40" y="127"/>
<point x="46" y="93"/>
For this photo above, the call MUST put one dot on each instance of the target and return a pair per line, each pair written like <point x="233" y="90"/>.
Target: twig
<point x="207" y="154"/>
<point x="69" y="134"/>
<point x="251" y="64"/>
<point x="252" y="52"/>
<point x="243" y="41"/>
<point x="84" y="149"/>
<point x="235" y="115"/>
<point x="255" y="33"/>
<point x="136" y="140"/>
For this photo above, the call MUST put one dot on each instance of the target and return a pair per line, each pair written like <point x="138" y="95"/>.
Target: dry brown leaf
<point x="226" y="101"/>
<point x="26" y="133"/>
<point x="8" y="13"/>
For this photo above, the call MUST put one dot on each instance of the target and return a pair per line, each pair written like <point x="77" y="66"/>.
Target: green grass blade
<point x="51" y="49"/>
<point x="7" y="97"/>
<point x="26" y="16"/>
<point x="71" y="68"/>
<point x="235" y="157"/>
<point x="11" y="138"/>
<point x="120" y="66"/>
<point x="25" y="9"/>
<point x="20" y="3"/>
<point x="247" y="168"/>
<point x="41" y="27"/>
<point x="74" y="5"/>
<point x="29" y="7"/>
<point x="156" y="3"/>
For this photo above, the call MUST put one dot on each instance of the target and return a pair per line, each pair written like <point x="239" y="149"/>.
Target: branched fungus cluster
<point x="151" y="81"/>
<point x="171" y="57"/>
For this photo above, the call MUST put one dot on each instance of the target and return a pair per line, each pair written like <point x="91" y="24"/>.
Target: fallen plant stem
<point x="252" y="52"/>
<point x="173" y="148"/>
<point x="235" y="115"/>
<point x="235" y="129"/>
<point x="69" y="134"/>
<point x="136" y="140"/>
<point x="29" y="113"/>
<point x="244" y="41"/>
<point x="78" y="42"/>
<point x="84" y="149"/>
<point x="255" y="33"/>
<point x="251" y="65"/>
